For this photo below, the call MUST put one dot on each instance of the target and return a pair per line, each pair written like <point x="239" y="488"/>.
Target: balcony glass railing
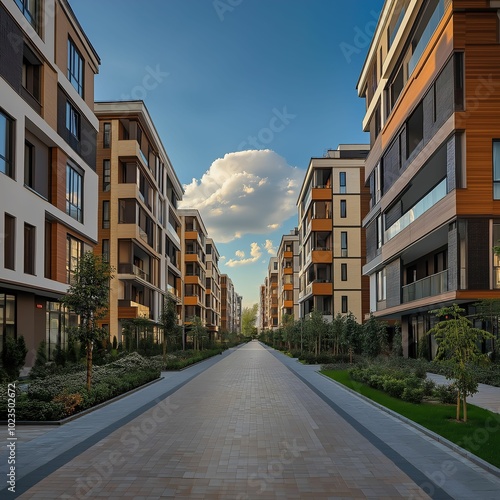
<point x="426" y="287"/>
<point x="131" y="269"/>
<point x="427" y="202"/>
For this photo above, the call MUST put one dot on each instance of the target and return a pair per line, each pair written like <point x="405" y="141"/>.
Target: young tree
<point x="374" y="337"/>
<point x="353" y="335"/>
<point x="168" y="324"/>
<point x="457" y="350"/>
<point x="337" y="334"/>
<point x="248" y="319"/>
<point x="198" y="332"/>
<point x="88" y="296"/>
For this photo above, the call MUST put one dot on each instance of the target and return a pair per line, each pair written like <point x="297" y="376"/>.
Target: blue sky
<point x="243" y="93"/>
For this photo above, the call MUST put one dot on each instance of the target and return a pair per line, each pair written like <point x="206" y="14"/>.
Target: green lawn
<point x="480" y="435"/>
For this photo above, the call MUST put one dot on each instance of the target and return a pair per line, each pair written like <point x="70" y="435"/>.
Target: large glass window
<point x="381" y="284"/>
<point x="30" y="10"/>
<point x="343" y="209"/>
<point x="31" y="73"/>
<point x="496" y="170"/>
<point x="342" y="182"/>
<point x="105" y="214"/>
<point x="29" y="248"/>
<point x="9" y="244"/>
<point x="6" y="145"/>
<point x="58" y="320"/>
<point x="74" y="194"/>
<point x="106" y="141"/>
<point x="344" y="305"/>
<point x="414" y="130"/>
<point x="75" y="67"/>
<point x="74" y="252"/>
<point x="72" y="120"/>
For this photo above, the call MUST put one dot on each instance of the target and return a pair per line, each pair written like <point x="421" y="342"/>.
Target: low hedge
<point x="67" y="394"/>
<point x="186" y="358"/>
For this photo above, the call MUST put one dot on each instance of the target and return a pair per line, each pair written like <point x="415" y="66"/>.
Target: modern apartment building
<point x="262" y="316"/>
<point x="213" y="290"/>
<point x="227" y="303"/>
<point x="139" y="230"/>
<point x="48" y="179"/>
<point x="288" y="276"/>
<point x="332" y="203"/>
<point x="194" y="265"/>
<point x="431" y="85"/>
<point x="272" y="294"/>
<point x="238" y="310"/>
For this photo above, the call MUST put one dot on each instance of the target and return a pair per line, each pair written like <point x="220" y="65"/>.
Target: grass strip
<point x="480" y="435"/>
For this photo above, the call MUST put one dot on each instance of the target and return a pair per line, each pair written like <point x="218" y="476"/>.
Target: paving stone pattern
<point x="253" y="425"/>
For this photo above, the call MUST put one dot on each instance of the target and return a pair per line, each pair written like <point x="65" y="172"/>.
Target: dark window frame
<point x="7" y="147"/>
<point x="74" y="200"/>
<point x="73" y="120"/>
<point x="9" y="242"/>
<point x="76" y="67"/>
<point x="29" y="249"/>
<point x="106" y="135"/>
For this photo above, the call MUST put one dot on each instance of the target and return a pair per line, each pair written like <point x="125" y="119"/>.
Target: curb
<point x="461" y="451"/>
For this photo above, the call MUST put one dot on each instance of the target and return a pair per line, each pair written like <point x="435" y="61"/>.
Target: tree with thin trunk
<point x="248" y="319"/>
<point x="168" y="324"/>
<point x="458" y="351"/>
<point x="88" y="296"/>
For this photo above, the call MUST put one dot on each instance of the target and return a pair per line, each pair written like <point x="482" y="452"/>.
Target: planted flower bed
<point x="61" y="396"/>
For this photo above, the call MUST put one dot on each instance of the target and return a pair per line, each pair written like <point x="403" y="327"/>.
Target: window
<point x="459" y="80"/>
<point x="381" y="285"/>
<point x="74" y="194"/>
<point x="30" y="10"/>
<point x="343" y="272"/>
<point x="74" y="252"/>
<point x="344" y="304"/>
<point x="343" y="244"/>
<point x="6" y="146"/>
<point x="29" y="249"/>
<point x="106" y="175"/>
<point x="127" y="211"/>
<point x="414" y="130"/>
<point x="105" y="250"/>
<point x="58" y="320"/>
<point x="36" y="165"/>
<point x="343" y="209"/>
<point x="379" y="232"/>
<point x="75" y="67"/>
<point x="72" y="120"/>
<point x="31" y="73"/>
<point x="7" y="317"/>
<point x="105" y="214"/>
<point x="9" y="243"/>
<point x="342" y="182"/>
<point x="496" y="170"/>
<point x="106" y="141"/>
<point x="48" y="250"/>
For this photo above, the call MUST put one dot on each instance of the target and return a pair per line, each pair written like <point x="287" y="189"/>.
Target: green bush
<point x="412" y="395"/>
<point x="13" y="356"/>
<point x="394" y="387"/>
<point x="446" y="394"/>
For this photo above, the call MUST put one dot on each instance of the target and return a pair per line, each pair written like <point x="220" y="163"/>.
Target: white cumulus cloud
<point x="247" y="192"/>
<point x="270" y="248"/>
<point x="255" y="252"/>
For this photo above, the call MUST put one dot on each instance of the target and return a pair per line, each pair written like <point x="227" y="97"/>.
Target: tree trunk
<point x="89" y="364"/>
<point x="458" y="406"/>
<point x="464" y="399"/>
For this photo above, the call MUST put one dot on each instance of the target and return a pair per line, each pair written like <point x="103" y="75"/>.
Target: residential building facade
<point x="288" y="276"/>
<point x="193" y="265"/>
<point x="332" y="203"/>
<point x="139" y="229"/>
<point x="430" y="82"/>
<point x="213" y="291"/>
<point x="48" y="179"/>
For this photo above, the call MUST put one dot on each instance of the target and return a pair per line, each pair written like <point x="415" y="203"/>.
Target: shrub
<point x="428" y="387"/>
<point x="446" y="394"/>
<point x="394" y="387"/>
<point x="412" y="395"/>
<point x="13" y="356"/>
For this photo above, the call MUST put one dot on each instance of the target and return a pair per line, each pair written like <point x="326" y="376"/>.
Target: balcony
<point x="435" y="284"/>
<point x="322" y="256"/>
<point x="322" y="194"/>
<point x="134" y="270"/>
<point x="322" y="288"/>
<point x="318" y="224"/>
<point x="426" y="203"/>
<point x="128" y="309"/>
<point x="172" y="234"/>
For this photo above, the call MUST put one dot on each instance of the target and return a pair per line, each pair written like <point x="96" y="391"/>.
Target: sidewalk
<point x="252" y="424"/>
<point x="487" y="397"/>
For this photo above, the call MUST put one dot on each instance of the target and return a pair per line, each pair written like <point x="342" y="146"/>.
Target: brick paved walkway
<point x="252" y="424"/>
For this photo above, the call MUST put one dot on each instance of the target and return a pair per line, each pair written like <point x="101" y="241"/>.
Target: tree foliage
<point x="88" y="296"/>
<point x="248" y="320"/>
<point x="374" y="337"/>
<point x="168" y="325"/>
<point x="458" y="350"/>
